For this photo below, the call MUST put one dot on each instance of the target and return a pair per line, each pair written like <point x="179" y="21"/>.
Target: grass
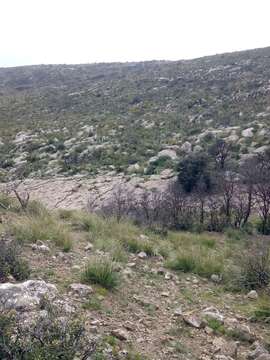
<point x="197" y="262"/>
<point x="101" y="272"/>
<point x="261" y="309"/>
<point x="29" y="229"/>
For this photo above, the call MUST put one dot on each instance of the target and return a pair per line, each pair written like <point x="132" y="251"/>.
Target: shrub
<point x="101" y="272"/>
<point x="52" y="337"/>
<point x="255" y="270"/>
<point x="10" y="262"/>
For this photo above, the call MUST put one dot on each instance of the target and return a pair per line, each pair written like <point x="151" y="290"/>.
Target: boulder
<point x="26" y="296"/>
<point x="247" y="133"/>
<point x="81" y="289"/>
<point x="252" y="295"/>
<point x="168" y="153"/>
<point x="186" y="147"/>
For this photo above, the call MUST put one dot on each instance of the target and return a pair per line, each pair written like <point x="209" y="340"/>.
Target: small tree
<point x="220" y="151"/>
<point x="194" y="169"/>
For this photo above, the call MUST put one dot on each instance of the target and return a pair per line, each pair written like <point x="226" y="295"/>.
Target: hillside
<point x="131" y="117"/>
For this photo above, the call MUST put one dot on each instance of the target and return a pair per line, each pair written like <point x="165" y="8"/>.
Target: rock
<point x="167" y="153"/>
<point x="129" y="326"/>
<point x="252" y="295"/>
<point x="165" y="294"/>
<point x="168" y="276"/>
<point x="258" y="352"/>
<point x="89" y="247"/>
<point x="261" y="149"/>
<point x="41" y="248"/>
<point x="215" y="278"/>
<point x="160" y="271"/>
<point x="178" y="312"/>
<point x="133" y="168"/>
<point x="120" y="334"/>
<point x="213" y="314"/>
<point x="131" y="264"/>
<point x="223" y="347"/>
<point x="186" y="147"/>
<point x="197" y="148"/>
<point x="263" y="357"/>
<point x="247" y="133"/>
<point x="166" y="174"/>
<point x="222" y="357"/>
<point x="26" y="296"/>
<point x="193" y="321"/>
<point x="142" y="255"/>
<point x="81" y="289"/>
<point x="242" y="331"/>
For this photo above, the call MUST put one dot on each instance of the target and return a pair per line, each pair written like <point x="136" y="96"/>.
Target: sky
<point x="87" y="31"/>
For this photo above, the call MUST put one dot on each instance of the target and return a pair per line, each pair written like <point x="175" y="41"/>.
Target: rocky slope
<point x="132" y="117"/>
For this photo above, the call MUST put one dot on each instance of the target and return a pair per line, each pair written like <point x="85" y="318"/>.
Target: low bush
<point x="101" y="272"/>
<point x="11" y="263"/>
<point x="255" y="269"/>
<point x="52" y="337"/>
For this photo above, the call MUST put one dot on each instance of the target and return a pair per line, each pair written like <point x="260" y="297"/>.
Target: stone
<point x="41" y="248"/>
<point x="263" y="357"/>
<point x="247" y="133"/>
<point x="166" y="174"/>
<point x="120" y="334"/>
<point x="223" y="347"/>
<point x="133" y="168"/>
<point x="193" y="321"/>
<point x="178" y="312"/>
<point x="81" y="289"/>
<point x="215" y="278"/>
<point x="242" y="330"/>
<point x="252" y="295"/>
<point x="168" y="276"/>
<point x="89" y="247"/>
<point x="186" y="147"/>
<point x="167" y="153"/>
<point x="26" y="296"/>
<point x="213" y="314"/>
<point x="257" y="352"/>
<point x="142" y="255"/>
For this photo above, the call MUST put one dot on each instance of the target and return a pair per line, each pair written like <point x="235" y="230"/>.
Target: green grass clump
<point x="185" y="263"/>
<point x="216" y="326"/>
<point x="27" y="229"/>
<point x="202" y="264"/>
<point x="101" y="272"/>
<point x="261" y="311"/>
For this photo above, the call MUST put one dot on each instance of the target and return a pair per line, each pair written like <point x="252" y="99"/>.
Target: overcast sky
<point x="83" y="31"/>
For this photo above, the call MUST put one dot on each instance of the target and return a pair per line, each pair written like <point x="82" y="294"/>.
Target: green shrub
<point x="234" y="234"/>
<point x="11" y="263"/>
<point x="101" y="272"/>
<point x="255" y="269"/>
<point x="51" y="338"/>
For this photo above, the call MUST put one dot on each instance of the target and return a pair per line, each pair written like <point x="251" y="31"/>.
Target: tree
<point x="220" y="151"/>
<point x="193" y="169"/>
